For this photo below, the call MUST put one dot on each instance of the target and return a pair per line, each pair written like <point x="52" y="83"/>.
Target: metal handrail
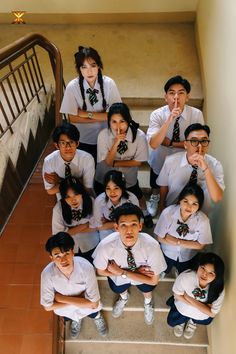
<point x="21" y="46"/>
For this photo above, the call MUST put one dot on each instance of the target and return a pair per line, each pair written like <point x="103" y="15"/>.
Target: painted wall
<point x="216" y="35"/>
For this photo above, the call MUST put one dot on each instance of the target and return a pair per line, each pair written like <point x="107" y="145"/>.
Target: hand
<point x="166" y="142"/>
<point x="114" y="268"/>
<point x="176" y="112"/>
<point x="119" y="137"/>
<point x="52" y="178"/>
<point x="172" y="240"/>
<point x="145" y="270"/>
<point x="104" y="220"/>
<point x="58" y="297"/>
<point x="94" y="305"/>
<point x="197" y="159"/>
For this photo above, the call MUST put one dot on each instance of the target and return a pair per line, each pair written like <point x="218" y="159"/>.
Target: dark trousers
<point x="180" y="266"/>
<point x="91" y="149"/>
<point x="118" y="289"/>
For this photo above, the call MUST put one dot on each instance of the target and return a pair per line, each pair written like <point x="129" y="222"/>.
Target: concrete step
<point x="161" y="293"/>
<point x="121" y="348"/>
<point x="131" y="329"/>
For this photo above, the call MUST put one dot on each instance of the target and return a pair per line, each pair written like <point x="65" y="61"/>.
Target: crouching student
<point x="198" y="295"/>
<point x="183" y="229"/>
<point x="128" y="257"/>
<point x="69" y="285"/>
<point x="73" y="214"/>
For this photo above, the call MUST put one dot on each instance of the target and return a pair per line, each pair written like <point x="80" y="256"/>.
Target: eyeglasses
<point x="195" y="142"/>
<point x="65" y="144"/>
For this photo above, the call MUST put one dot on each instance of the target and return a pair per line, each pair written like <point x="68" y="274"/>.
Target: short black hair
<point x="67" y="129"/>
<point x="62" y="240"/>
<point x="127" y="209"/>
<point x="192" y="189"/>
<point x="194" y="127"/>
<point x="177" y="80"/>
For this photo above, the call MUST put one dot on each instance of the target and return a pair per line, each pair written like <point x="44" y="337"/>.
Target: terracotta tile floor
<point x="25" y="328"/>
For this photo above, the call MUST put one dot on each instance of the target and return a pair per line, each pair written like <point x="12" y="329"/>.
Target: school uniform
<point x="176" y="172"/>
<point x="158" y="118"/>
<point x="197" y="229"/>
<point x="82" y="166"/>
<point x="137" y="150"/>
<point x="187" y="282"/>
<point x="73" y="101"/>
<point x="146" y="251"/>
<point x="84" y="241"/>
<point x="82" y="279"/>
<point x="104" y="207"/>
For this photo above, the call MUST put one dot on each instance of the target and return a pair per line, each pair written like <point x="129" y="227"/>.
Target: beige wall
<point x="216" y="35"/>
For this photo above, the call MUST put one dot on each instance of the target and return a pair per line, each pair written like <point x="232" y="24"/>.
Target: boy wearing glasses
<point x="67" y="160"/>
<point x="195" y="166"/>
<point x="166" y="129"/>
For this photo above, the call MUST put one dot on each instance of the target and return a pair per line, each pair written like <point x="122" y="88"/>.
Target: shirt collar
<point x="86" y="85"/>
<point x="184" y="160"/>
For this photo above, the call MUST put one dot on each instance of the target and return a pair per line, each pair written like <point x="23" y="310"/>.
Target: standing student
<point x="183" y="229"/>
<point x="73" y="214"/>
<point x="198" y="295"/>
<point x="166" y="129"/>
<point x="115" y="195"/>
<point x="123" y="147"/>
<point x="129" y="257"/>
<point x="69" y="286"/>
<point x="67" y="160"/>
<point x="88" y="97"/>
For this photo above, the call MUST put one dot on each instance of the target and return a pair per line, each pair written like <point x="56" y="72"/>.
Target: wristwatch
<point x="90" y="115"/>
<point x="124" y="274"/>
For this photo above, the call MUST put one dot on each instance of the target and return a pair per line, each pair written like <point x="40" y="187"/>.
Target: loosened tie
<point x="122" y="147"/>
<point x="193" y="176"/>
<point x="182" y="229"/>
<point x="130" y="259"/>
<point x="67" y="170"/>
<point x="92" y="96"/>
<point x="175" y="136"/>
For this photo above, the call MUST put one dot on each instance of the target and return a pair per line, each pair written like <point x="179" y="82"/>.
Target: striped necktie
<point x="193" y="177"/>
<point x="175" y="136"/>
<point x="76" y="214"/>
<point x="92" y="96"/>
<point x="67" y="170"/>
<point x="130" y="259"/>
<point x="122" y="147"/>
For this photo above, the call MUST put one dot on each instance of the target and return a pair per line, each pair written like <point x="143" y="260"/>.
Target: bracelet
<point x="205" y="169"/>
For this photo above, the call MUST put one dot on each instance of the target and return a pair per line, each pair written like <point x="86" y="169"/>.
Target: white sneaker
<point x="101" y="325"/>
<point x="75" y="328"/>
<point x="119" y="307"/>
<point x="179" y="330"/>
<point x="190" y="329"/>
<point x="152" y="205"/>
<point x="149" y="313"/>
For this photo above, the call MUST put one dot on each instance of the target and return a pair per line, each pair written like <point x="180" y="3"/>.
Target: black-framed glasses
<point x="196" y="142"/>
<point x="64" y="143"/>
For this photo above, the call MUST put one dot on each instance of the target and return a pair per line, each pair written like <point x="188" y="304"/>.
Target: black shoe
<point x="148" y="222"/>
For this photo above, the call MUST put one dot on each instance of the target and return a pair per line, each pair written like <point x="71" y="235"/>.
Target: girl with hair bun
<point x="88" y="97"/>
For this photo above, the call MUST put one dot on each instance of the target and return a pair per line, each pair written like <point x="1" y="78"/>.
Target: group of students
<point x="100" y="205"/>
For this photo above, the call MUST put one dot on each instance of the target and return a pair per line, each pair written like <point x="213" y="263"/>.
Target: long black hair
<point x="77" y="187"/>
<point x="123" y="110"/>
<point x="80" y="56"/>
<point x="217" y="285"/>
<point x="117" y="178"/>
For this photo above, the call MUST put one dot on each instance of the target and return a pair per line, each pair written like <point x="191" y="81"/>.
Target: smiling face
<point x="196" y="135"/>
<point x="118" y="124"/>
<point x="177" y="93"/>
<point x="72" y="199"/>
<point x="129" y="227"/>
<point x="62" y="259"/>
<point x="188" y="206"/>
<point x="89" y="71"/>
<point x="113" y="192"/>
<point x="206" y="274"/>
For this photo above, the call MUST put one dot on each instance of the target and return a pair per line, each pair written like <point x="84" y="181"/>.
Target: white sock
<point x="147" y="300"/>
<point x="124" y="295"/>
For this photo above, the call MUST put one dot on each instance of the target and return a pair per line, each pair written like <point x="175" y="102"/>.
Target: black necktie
<point x="67" y="170"/>
<point x="122" y="147"/>
<point x="92" y="96"/>
<point x="182" y="229"/>
<point x="193" y="177"/>
<point x="111" y="215"/>
<point x="175" y="136"/>
<point x="130" y="259"/>
<point x="199" y="293"/>
<point x="76" y="214"/>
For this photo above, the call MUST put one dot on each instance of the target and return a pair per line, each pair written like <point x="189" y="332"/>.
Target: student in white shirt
<point x="198" y="295"/>
<point x="69" y="286"/>
<point x="166" y="129"/>
<point x="67" y="160"/>
<point x="88" y="97"/>
<point x="183" y="229"/>
<point x="115" y="195"/>
<point x="74" y="215"/>
<point x="123" y="147"/>
<point x="128" y="257"/>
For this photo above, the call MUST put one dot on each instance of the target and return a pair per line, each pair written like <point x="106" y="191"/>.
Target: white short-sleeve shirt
<point x="82" y="166"/>
<point x="82" y="279"/>
<point x="104" y="207"/>
<point x="146" y="251"/>
<point x="176" y="172"/>
<point x="85" y="241"/>
<point x="158" y="118"/>
<point x="188" y="282"/>
<point x="137" y="150"/>
<point x="199" y="230"/>
<point x="72" y="102"/>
